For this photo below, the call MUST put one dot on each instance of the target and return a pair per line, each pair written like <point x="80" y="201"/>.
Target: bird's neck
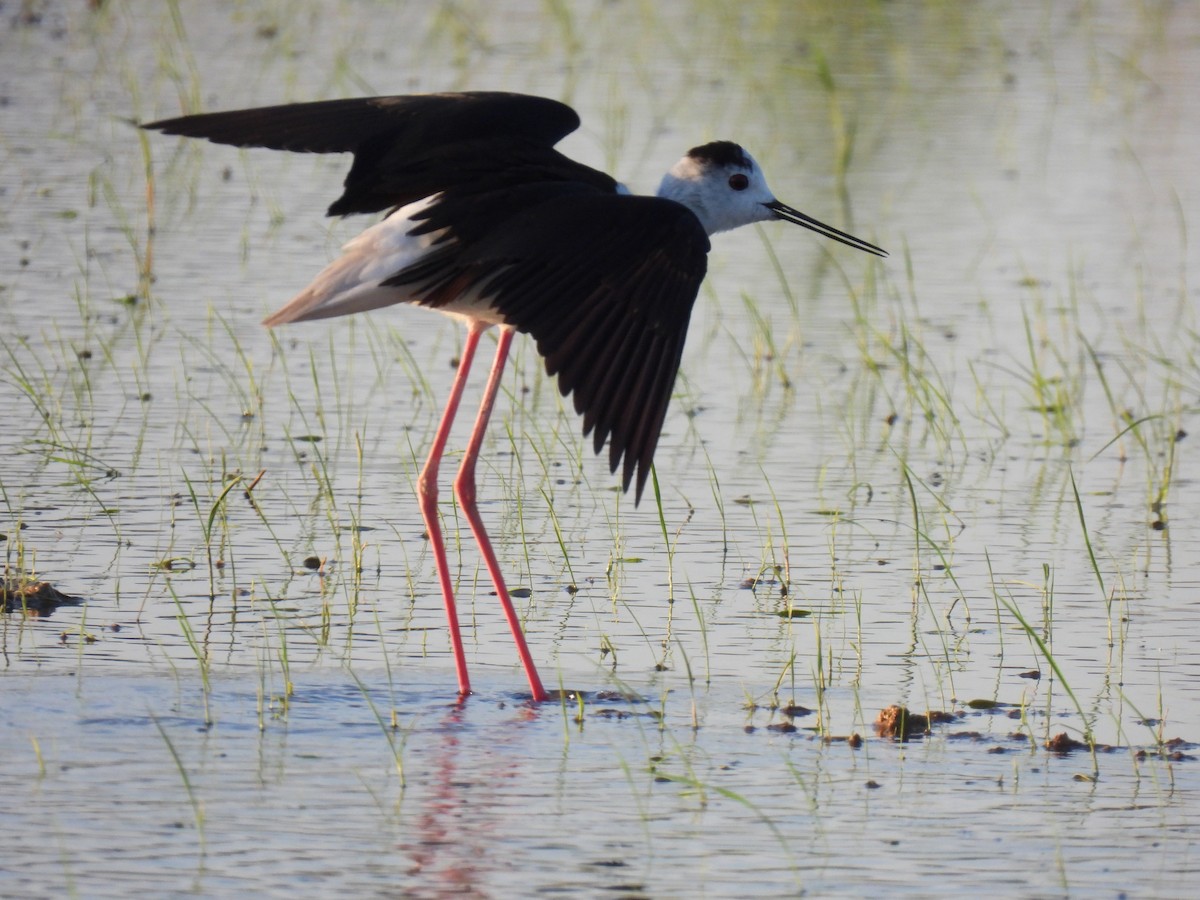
<point x="683" y="190"/>
<point x="683" y="185"/>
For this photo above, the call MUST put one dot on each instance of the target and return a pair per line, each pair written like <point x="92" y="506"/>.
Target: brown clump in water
<point x="20" y="593"/>
<point x="1063" y="743"/>
<point x="898" y="723"/>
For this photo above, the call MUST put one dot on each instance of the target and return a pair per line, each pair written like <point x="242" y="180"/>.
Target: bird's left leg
<point x="427" y="494"/>
<point x="464" y="490"/>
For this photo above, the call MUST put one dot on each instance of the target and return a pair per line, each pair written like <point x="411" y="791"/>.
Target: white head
<point x="723" y="185"/>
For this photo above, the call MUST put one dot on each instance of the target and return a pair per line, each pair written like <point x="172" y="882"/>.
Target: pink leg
<point x="427" y="494"/>
<point x="464" y="490"/>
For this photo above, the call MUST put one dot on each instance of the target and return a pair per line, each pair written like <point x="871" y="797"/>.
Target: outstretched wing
<point x="409" y="147"/>
<point x="604" y="283"/>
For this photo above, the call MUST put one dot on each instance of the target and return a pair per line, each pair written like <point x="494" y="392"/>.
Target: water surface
<point x="872" y="472"/>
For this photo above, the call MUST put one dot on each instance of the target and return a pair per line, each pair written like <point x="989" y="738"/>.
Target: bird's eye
<point x="739" y="182"/>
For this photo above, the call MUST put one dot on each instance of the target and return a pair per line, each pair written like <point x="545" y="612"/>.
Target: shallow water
<point x="918" y="449"/>
<point x="502" y="800"/>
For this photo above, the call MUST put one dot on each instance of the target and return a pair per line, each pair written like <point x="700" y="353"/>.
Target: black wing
<point x="604" y="283"/>
<point x="408" y="147"/>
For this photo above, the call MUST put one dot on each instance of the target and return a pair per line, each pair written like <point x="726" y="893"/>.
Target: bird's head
<point x="722" y="184"/>
<point x="725" y="188"/>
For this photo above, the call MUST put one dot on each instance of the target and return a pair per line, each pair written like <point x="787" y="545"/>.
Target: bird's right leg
<point x="427" y="494"/>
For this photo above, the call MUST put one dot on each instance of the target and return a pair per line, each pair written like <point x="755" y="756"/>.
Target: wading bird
<point x="488" y="223"/>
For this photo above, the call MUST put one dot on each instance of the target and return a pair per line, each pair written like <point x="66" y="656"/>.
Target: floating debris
<point x="20" y="592"/>
<point x="1064" y="743"/>
<point x="1171" y="750"/>
<point x="898" y="723"/>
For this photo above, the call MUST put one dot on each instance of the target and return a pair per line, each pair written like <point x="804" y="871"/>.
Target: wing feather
<point x="605" y="284"/>
<point x="409" y="147"/>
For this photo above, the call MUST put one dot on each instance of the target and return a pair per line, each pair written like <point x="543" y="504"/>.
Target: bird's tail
<point x="354" y="282"/>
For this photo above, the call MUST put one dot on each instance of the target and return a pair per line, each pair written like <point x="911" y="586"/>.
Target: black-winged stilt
<point x="490" y="224"/>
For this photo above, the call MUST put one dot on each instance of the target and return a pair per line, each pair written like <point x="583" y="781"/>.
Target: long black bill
<point x="788" y="214"/>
